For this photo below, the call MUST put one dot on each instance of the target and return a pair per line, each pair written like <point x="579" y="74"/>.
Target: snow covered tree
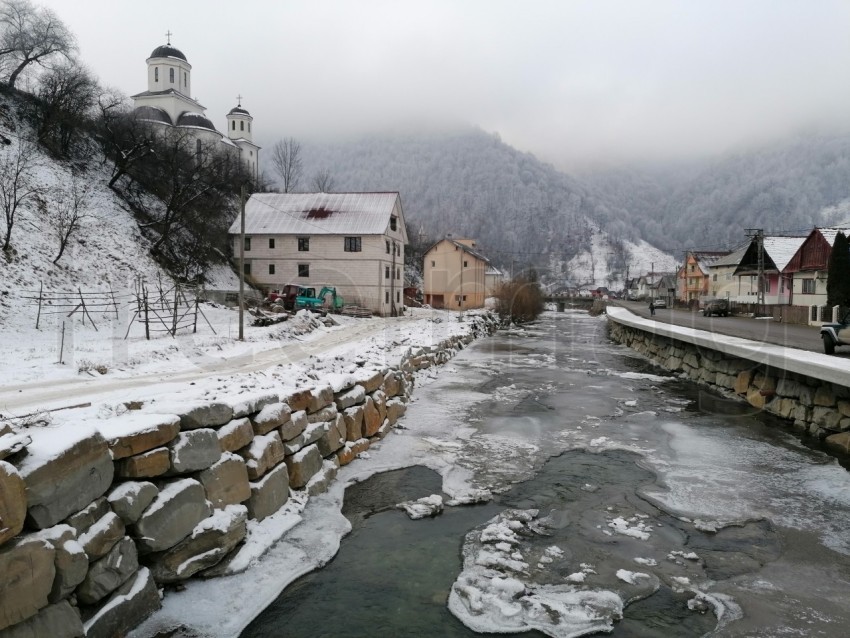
<point x="123" y="139"/>
<point x="67" y="209"/>
<point x="323" y="181"/>
<point x="31" y="35"/>
<point x="287" y="162"/>
<point x="18" y="182"/>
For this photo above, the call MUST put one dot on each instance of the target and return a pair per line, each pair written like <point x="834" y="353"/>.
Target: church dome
<point x="238" y="110"/>
<point x="168" y="51"/>
<point x="199" y="120"/>
<point x="151" y="114"/>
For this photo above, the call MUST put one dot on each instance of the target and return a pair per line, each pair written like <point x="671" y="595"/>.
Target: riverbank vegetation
<point x="520" y="300"/>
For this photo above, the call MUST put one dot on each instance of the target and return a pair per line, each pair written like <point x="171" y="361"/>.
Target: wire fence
<point x="161" y="309"/>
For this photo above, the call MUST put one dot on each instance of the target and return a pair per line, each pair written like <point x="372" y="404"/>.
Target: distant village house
<point x="455" y="275"/>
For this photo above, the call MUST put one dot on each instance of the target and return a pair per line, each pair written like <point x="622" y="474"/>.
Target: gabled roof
<point x="320" y="214"/>
<point x="705" y="258"/>
<point x="463" y="247"/>
<point x="782" y="249"/>
<point x="732" y="259"/>
<point x="830" y="233"/>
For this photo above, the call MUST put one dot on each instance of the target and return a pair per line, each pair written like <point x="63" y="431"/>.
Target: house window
<point x="387" y="296"/>
<point x="352" y="245"/>
<point x="397" y="296"/>
<point x="303" y="244"/>
<point x="714" y="278"/>
<point x="767" y="285"/>
<point x="241" y="126"/>
<point x="398" y="273"/>
<point x="465" y="264"/>
<point x="393" y="222"/>
<point x="388" y="246"/>
<point x="156" y="74"/>
<point x="171" y="75"/>
<point x="271" y="269"/>
<point x="271" y="243"/>
<point x="386" y="272"/>
<point x="247" y="244"/>
<point x="247" y="269"/>
<point x="433" y="264"/>
<point x="808" y="286"/>
<point x="233" y="125"/>
<point x="303" y="270"/>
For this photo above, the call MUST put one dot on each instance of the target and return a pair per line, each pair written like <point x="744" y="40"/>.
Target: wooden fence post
<point x="38" y="316"/>
<point x="147" y="324"/>
<point x="174" y="316"/>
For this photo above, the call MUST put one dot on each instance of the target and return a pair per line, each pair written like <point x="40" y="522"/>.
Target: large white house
<point x="353" y="242"/>
<point x="167" y="103"/>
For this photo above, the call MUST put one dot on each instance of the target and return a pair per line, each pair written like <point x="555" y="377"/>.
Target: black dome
<point x="238" y="110"/>
<point x="188" y="118"/>
<point x="151" y="114"/>
<point x="168" y="51"/>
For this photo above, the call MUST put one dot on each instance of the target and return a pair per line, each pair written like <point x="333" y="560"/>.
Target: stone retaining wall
<point x="819" y="408"/>
<point x="96" y="516"/>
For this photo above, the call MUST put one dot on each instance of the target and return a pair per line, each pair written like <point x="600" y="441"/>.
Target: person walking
<point x="652" y="308"/>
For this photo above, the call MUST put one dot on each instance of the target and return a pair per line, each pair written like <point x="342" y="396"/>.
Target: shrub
<point x="519" y="301"/>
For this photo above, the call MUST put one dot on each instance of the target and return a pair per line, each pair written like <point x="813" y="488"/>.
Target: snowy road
<point x="25" y="398"/>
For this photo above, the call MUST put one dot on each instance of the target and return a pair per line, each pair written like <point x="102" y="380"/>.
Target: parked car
<point x="717" y="307"/>
<point x="660" y="303"/>
<point x="835" y="334"/>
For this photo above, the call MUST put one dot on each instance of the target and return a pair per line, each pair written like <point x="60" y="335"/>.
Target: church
<point x="167" y="102"/>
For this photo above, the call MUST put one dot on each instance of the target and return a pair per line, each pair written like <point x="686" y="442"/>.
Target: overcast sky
<point x="575" y="83"/>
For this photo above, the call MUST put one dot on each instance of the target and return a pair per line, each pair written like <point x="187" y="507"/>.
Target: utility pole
<point x="393" y="311"/>
<point x="461" y="284"/>
<point x="242" y="265"/>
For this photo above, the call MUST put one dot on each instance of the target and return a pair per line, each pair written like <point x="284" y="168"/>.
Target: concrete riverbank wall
<point x="96" y="518"/>
<point x="811" y="392"/>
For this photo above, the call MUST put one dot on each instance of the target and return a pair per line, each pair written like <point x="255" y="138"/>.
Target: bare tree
<point x="31" y="35"/>
<point x="17" y="182"/>
<point x="123" y="138"/>
<point x="286" y="159"/>
<point x="67" y="210"/>
<point x="323" y="181"/>
<point x="67" y="94"/>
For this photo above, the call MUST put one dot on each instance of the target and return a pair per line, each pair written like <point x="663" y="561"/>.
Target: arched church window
<point x="249" y="127"/>
<point x="171" y="75"/>
<point x="156" y="74"/>
<point x="185" y="79"/>
<point x="241" y="126"/>
<point x="233" y="128"/>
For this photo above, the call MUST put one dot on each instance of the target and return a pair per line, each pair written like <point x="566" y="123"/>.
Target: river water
<point x="624" y="500"/>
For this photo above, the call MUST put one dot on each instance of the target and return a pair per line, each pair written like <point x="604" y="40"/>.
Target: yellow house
<point x="455" y="275"/>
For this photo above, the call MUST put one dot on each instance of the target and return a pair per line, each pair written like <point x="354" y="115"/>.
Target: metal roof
<point x="319" y="214"/>
<point x="830" y="233"/>
<point x="782" y="249"/>
<point x="732" y="259"/>
<point x="168" y="51"/>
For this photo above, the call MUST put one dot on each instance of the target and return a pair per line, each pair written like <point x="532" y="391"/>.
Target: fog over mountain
<point x="470" y="183"/>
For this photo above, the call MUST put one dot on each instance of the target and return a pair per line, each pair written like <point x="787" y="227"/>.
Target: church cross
<point x="239" y="99"/>
<point x="168" y="35"/>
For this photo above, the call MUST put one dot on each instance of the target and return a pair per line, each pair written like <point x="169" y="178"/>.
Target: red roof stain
<point x="319" y="213"/>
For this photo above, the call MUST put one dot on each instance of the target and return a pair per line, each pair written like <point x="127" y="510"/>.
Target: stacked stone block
<point x="93" y="518"/>
<point x="818" y="408"/>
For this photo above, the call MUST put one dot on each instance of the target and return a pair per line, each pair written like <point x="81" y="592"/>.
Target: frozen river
<point x="623" y="501"/>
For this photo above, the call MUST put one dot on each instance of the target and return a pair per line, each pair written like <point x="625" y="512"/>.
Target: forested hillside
<point x="524" y="213"/>
<point x="787" y="187"/>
